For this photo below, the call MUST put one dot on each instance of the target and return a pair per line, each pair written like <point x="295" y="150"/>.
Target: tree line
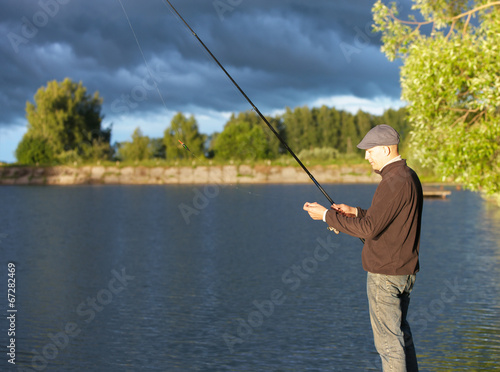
<point x="65" y="126"/>
<point x="449" y="77"/>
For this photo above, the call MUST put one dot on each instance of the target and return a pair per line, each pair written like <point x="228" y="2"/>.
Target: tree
<point x="365" y="122"/>
<point x="259" y="143"/>
<point x="294" y="129"/>
<point x="185" y="130"/>
<point x="349" y="133"/>
<point x="301" y="128"/>
<point x="275" y="146"/>
<point x="158" y="148"/>
<point x="328" y="123"/>
<point x="67" y="118"/>
<point x="398" y="119"/>
<point x="451" y="79"/>
<point x="139" y="149"/>
<point x="243" y="138"/>
<point x="34" y="150"/>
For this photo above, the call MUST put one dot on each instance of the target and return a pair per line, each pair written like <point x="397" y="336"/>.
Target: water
<point x="117" y="278"/>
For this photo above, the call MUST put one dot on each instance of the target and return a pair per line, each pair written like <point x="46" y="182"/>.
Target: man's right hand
<point x="345" y="210"/>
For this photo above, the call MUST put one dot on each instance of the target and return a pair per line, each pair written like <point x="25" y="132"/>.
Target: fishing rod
<point x="330" y="200"/>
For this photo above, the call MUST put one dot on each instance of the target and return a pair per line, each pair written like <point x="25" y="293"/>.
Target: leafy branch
<point x="398" y="34"/>
<point x="451" y="81"/>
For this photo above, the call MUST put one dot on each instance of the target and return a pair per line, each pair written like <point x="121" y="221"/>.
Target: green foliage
<point x="34" y="150"/>
<point x="451" y="80"/>
<point x="69" y="120"/>
<point x="241" y="139"/>
<point x="274" y="147"/>
<point x="64" y="127"/>
<point x="185" y="130"/>
<point x="138" y="150"/>
<point x="310" y="132"/>
<point x="247" y="137"/>
<point x="319" y="154"/>
<point x="306" y="128"/>
<point x="300" y="128"/>
<point x="158" y="148"/>
<point x="96" y="150"/>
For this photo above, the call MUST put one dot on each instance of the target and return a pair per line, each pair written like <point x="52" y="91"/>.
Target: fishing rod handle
<point x="333" y="229"/>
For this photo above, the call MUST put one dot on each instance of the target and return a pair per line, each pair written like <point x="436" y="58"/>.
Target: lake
<point x="229" y="278"/>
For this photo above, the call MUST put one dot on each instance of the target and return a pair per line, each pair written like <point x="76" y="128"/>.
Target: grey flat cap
<point x="381" y="135"/>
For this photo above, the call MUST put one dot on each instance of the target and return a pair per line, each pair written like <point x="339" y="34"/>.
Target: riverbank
<point x="211" y="174"/>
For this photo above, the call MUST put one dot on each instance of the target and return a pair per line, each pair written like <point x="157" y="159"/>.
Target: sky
<point x="147" y="65"/>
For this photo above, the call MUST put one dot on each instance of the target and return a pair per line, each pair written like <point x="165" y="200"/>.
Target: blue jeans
<point x="388" y="299"/>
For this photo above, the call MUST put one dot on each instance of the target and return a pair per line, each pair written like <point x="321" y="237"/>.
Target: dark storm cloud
<point x="282" y="53"/>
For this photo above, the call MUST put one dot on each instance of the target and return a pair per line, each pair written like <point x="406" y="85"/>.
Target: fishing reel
<point x="333" y="229"/>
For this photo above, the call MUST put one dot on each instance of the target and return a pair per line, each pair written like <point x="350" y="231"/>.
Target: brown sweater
<point x="391" y="226"/>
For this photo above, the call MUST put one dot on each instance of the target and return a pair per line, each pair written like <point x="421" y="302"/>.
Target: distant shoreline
<point x="201" y="174"/>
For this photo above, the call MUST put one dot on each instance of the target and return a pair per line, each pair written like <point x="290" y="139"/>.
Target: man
<point x="391" y="229"/>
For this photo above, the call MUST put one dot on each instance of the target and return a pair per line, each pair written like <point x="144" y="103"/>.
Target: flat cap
<point x="381" y="135"/>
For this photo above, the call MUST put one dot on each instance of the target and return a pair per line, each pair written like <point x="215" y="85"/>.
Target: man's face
<point x="377" y="156"/>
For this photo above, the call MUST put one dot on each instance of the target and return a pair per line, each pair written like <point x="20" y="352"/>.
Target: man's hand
<point x="315" y="210"/>
<point x="345" y="210"/>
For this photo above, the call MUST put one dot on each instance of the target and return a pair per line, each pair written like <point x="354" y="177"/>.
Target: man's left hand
<point x="315" y="210"/>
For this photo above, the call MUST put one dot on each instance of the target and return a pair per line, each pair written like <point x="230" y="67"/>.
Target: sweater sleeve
<point x="361" y="212"/>
<point x="370" y="223"/>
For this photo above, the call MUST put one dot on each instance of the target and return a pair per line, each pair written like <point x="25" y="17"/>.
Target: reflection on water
<point x="114" y="279"/>
<point x="460" y="320"/>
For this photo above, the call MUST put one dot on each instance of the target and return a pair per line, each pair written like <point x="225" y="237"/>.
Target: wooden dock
<point x="435" y="193"/>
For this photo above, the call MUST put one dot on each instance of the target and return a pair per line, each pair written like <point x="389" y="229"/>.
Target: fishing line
<point x="330" y="200"/>
<point x="142" y="53"/>
<point x="163" y="101"/>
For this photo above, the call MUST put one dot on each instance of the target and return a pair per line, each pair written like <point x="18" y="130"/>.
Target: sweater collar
<point x="397" y="158"/>
<point x="391" y="164"/>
